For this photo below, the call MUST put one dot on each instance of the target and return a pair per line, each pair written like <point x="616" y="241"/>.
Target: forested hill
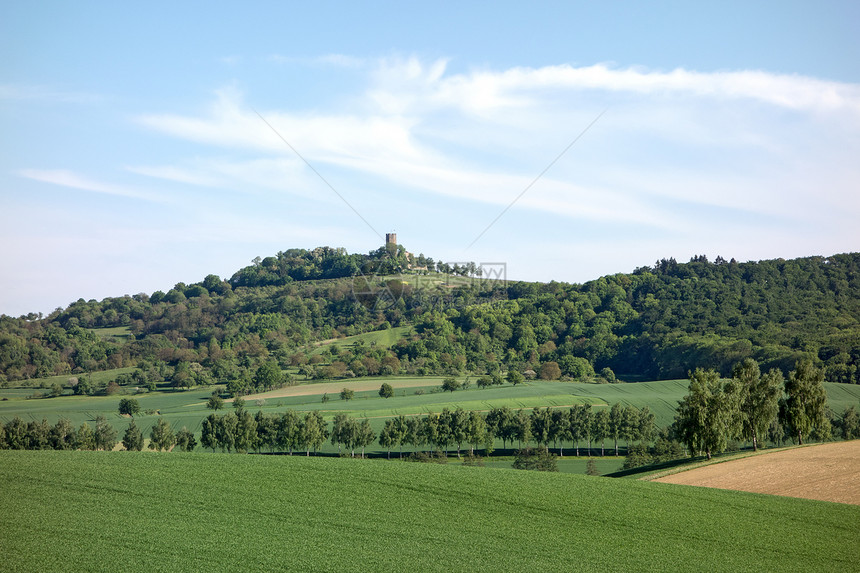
<point x="657" y="322"/>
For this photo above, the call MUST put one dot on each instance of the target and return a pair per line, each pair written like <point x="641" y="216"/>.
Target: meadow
<point x="120" y="511"/>
<point x="412" y="396"/>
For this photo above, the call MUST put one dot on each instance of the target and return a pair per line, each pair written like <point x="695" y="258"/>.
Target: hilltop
<point x="657" y="322"/>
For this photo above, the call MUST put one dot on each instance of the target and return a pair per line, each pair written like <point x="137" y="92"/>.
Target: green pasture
<point x="112" y="332"/>
<point x="382" y="338"/>
<point x="188" y="408"/>
<point x="123" y="511"/>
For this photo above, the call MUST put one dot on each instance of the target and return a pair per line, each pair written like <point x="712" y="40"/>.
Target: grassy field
<point x="187" y="408"/>
<point x="119" y="511"/>
<point x="384" y="338"/>
<point x="120" y="332"/>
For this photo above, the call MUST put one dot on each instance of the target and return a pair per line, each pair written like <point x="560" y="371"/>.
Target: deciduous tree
<point x="805" y="401"/>
<point x="708" y="416"/>
<point x="161" y="437"/>
<point x="129" y="407"/>
<point x="760" y="395"/>
<point x="208" y="436"/>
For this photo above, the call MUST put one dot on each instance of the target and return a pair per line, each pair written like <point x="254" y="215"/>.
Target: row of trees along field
<point x="657" y="322"/>
<point x="750" y="406"/>
<point x="39" y="435"/>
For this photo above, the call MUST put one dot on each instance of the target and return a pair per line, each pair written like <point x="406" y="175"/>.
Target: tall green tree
<point x="647" y="425"/>
<point x="16" y="433"/>
<point x="707" y="416"/>
<point x="849" y="423"/>
<point x="413" y="435"/>
<point x="560" y="429"/>
<point x="339" y="435"/>
<point x="288" y="430"/>
<point x="600" y="427"/>
<point x="759" y="399"/>
<point x="541" y="426"/>
<point x="805" y="401"/>
<point x="386" y="391"/>
<point x="85" y="439"/>
<point x="185" y="440"/>
<point x="161" y="437"/>
<point x="389" y="437"/>
<point x="401" y="426"/>
<point x="580" y="425"/>
<point x="364" y="435"/>
<point x="616" y="423"/>
<point x="132" y="439"/>
<point x="105" y="434"/>
<point x="521" y="427"/>
<point x="246" y="432"/>
<point x="500" y="421"/>
<point x="208" y="436"/>
<point x="39" y="435"/>
<point x="315" y="431"/>
<point x="63" y="435"/>
<point x="267" y="434"/>
<point x="476" y="432"/>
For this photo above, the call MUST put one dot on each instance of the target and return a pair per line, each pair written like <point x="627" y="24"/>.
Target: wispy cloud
<point x="46" y="94"/>
<point x="335" y="60"/>
<point x="422" y="84"/>
<point x="74" y="180"/>
<point x="739" y="143"/>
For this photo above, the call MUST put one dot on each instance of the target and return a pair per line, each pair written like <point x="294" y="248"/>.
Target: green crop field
<point x="188" y="408"/>
<point x="119" y="511"/>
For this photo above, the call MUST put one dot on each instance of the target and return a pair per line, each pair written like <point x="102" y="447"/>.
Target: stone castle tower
<point x="390" y="238"/>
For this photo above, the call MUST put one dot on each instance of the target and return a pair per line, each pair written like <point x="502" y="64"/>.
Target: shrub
<point x="540" y="460"/>
<point x="637" y="455"/>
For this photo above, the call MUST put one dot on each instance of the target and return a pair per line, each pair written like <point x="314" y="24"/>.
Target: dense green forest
<point x="659" y="321"/>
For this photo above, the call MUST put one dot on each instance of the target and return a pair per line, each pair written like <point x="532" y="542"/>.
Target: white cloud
<point x="678" y="151"/>
<point x="65" y="178"/>
<point x="335" y="60"/>
<point x="483" y="90"/>
<point x="46" y="94"/>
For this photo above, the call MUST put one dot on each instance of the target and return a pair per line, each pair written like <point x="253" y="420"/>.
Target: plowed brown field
<point x="334" y="388"/>
<point x="828" y="472"/>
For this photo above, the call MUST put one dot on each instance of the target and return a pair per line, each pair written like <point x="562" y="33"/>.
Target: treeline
<point x="39" y="435"/>
<point x="657" y="322"/>
<point x="290" y="432"/>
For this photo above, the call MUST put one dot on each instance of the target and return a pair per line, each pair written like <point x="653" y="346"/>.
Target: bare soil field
<point x="827" y="472"/>
<point x="334" y="388"/>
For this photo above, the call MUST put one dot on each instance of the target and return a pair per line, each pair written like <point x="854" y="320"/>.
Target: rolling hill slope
<point x="97" y="511"/>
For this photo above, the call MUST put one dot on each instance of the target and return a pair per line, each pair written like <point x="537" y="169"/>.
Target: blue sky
<point x="132" y="156"/>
